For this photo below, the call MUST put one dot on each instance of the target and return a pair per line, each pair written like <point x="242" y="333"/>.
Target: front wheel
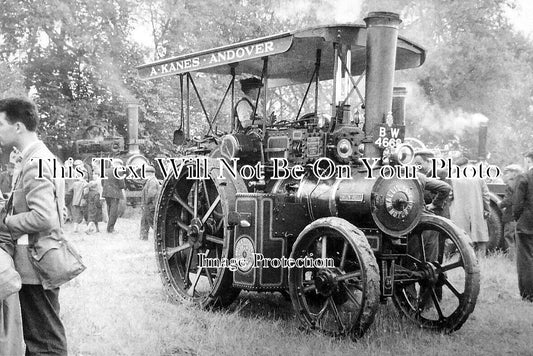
<point x="339" y="297"/>
<point x="437" y="282"/>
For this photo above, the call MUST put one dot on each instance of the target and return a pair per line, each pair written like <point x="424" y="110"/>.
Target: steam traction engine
<point x="96" y="143"/>
<point x="378" y="241"/>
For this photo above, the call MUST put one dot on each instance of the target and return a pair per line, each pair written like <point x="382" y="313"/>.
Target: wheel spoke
<point x="211" y="208"/>
<point x="343" y="255"/>
<point x="452" y="266"/>
<point x="347" y="276"/>
<point x="214" y="239"/>
<point x="352" y="296"/>
<point x="182" y="225"/>
<point x="208" y="274"/>
<point x="336" y="313"/>
<point x="195" y="204"/>
<point x="173" y="250"/>
<point x="324" y="247"/>
<point x="436" y="303"/>
<point x="196" y="279"/>
<point x="189" y="263"/>
<point x="204" y="186"/>
<point x="452" y="288"/>
<point x="175" y="197"/>
<point x="220" y="224"/>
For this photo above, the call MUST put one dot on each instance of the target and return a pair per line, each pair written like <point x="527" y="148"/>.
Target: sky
<point x="343" y="11"/>
<point x="522" y="17"/>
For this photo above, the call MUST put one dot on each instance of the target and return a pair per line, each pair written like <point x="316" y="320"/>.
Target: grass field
<point x="118" y="307"/>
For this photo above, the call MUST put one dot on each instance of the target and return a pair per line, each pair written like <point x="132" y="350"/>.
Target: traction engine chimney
<point x="381" y="40"/>
<point x="482" y="141"/>
<point x="133" y="128"/>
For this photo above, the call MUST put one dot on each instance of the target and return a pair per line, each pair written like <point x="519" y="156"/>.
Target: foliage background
<point x="77" y="58"/>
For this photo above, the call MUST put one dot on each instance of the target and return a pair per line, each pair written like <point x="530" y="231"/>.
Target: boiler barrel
<point x="349" y="199"/>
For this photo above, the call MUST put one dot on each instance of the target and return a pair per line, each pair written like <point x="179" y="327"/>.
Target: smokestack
<point x="133" y="128"/>
<point x="381" y="39"/>
<point x="482" y="141"/>
<point x="398" y="105"/>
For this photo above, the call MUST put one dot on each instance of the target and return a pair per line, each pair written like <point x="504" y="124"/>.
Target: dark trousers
<point x="524" y="265"/>
<point x="509" y="236"/>
<point x="112" y="213"/>
<point x="425" y="245"/>
<point x="147" y="220"/>
<point x="44" y="333"/>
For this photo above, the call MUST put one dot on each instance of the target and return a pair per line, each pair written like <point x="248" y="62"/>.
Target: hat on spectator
<point x="513" y="168"/>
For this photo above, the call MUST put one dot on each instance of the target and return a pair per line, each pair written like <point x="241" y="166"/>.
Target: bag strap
<point x="9" y="205"/>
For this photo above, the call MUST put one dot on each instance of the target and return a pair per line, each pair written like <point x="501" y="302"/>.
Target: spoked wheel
<point x="191" y="226"/>
<point x="340" y="298"/>
<point x="437" y="284"/>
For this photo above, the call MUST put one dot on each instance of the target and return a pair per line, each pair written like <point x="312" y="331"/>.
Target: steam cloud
<point x="110" y="77"/>
<point x="435" y="119"/>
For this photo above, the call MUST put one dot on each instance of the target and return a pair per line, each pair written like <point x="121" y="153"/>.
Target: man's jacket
<point x="150" y="193"/>
<point x="112" y="187"/>
<point x="523" y="203"/>
<point x="35" y="207"/>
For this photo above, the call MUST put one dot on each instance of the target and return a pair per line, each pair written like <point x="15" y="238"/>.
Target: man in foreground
<point x="32" y="213"/>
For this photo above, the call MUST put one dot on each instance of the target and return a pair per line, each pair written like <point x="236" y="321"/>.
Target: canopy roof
<point x="292" y="56"/>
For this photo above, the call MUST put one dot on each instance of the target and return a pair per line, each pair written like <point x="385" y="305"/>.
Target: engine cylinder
<point x="393" y="205"/>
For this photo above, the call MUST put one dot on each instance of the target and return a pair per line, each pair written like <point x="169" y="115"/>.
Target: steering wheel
<point x="305" y="118"/>
<point x="206" y="139"/>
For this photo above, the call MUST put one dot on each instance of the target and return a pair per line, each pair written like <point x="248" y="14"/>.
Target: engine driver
<point x="244" y="109"/>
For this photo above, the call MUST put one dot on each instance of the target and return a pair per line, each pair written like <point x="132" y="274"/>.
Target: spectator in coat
<point x="94" y="207"/>
<point x="79" y="203"/>
<point x="523" y="214"/>
<point x="148" y="200"/>
<point x="112" y="191"/>
<point x="510" y="174"/>
<point x="470" y="207"/>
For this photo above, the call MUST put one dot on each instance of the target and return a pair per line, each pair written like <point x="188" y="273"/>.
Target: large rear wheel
<point x="190" y="225"/>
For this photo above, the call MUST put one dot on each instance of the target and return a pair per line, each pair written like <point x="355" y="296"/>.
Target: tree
<point x="75" y="56"/>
